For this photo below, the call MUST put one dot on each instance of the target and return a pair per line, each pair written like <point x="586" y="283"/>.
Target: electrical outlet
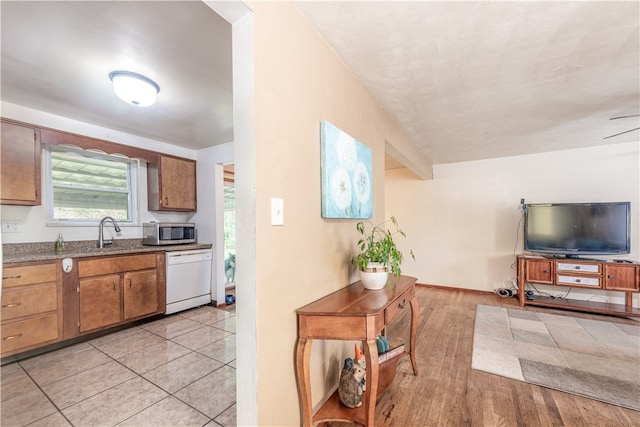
<point x="11" y="226"/>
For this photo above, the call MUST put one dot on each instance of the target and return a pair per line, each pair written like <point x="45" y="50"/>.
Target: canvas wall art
<point x="347" y="188"/>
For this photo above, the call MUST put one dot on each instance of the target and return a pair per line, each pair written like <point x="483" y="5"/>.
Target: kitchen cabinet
<point x="140" y="293"/>
<point x="117" y="289"/>
<point x="171" y="184"/>
<point x="19" y="164"/>
<point x="31" y="313"/>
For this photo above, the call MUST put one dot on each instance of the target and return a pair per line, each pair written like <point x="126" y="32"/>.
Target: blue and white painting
<point x="346" y="175"/>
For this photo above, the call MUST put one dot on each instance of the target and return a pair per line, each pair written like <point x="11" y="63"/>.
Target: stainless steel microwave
<point x="168" y="233"/>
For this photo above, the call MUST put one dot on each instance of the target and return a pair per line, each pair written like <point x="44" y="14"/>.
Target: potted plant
<point x="379" y="254"/>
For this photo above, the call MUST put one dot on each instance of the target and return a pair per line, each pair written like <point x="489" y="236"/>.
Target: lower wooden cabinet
<point x="99" y="302"/>
<point x="140" y="294"/>
<point x="115" y="290"/>
<point x="31" y="306"/>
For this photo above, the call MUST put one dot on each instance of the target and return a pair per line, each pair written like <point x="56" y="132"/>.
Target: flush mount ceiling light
<point x="134" y="88"/>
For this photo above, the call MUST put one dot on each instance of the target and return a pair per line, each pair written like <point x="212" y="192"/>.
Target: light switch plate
<point x="277" y="211"/>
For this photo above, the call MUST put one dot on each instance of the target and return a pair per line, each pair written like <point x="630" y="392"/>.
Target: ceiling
<point x="475" y="80"/>
<point x="57" y="56"/>
<point x="465" y="80"/>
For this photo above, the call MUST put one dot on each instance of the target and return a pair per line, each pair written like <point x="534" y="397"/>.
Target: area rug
<point x="592" y="358"/>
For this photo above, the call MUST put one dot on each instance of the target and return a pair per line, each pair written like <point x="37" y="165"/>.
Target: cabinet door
<point x="177" y="184"/>
<point x="539" y="271"/>
<point x="99" y="302"/>
<point x="140" y="293"/>
<point x="621" y="277"/>
<point x="19" y="165"/>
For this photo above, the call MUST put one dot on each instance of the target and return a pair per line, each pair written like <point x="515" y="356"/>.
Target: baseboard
<point x="452" y="288"/>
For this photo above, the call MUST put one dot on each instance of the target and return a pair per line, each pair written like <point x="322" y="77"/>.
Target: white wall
<point x="33" y="219"/>
<point x="464" y="225"/>
<point x="210" y="215"/>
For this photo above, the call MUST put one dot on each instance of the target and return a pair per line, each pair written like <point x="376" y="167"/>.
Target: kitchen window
<point x="85" y="186"/>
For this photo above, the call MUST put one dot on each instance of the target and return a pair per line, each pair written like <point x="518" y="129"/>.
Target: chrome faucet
<point x="101" y="242"/>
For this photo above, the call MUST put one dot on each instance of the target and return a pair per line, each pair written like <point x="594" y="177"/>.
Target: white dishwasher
<point x="188" y="279"/>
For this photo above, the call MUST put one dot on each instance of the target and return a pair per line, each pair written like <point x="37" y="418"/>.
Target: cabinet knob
<point x="577" y="280"/>
<point x="611" y="276"/>
<point x="577" y="267"/>
<point x="547" y="271"/>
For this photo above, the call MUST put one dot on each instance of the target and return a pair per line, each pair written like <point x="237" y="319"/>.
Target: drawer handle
<point x="10" y="337"/>
<point x="402" y="304"/>
<point x="577" y="280"/>
<point x="547" y="271"/>
<point x="12" y="277"/>
<point x="577" y="267"/>
<point x="611" y="276"/>
<point x="13" y="304"/>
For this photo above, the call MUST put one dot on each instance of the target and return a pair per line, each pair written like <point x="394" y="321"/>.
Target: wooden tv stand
<point x="586" y="274"/>
<point x="353" y="313"/>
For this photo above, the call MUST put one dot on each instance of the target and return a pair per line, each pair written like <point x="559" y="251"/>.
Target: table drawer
<point x="584" y="268"/>
<point x="399" y="304"/>
<point x="595" y="282"/>
<point x="28" y="333"/>
<point x="17" y="302"/>
<point x="28" y="275"/>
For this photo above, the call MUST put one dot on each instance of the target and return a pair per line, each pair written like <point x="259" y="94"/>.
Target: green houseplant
<point x="378" y="252"/>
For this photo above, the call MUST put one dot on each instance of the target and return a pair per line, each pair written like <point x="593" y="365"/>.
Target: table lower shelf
<point x="589" y="306"/>
<point x="334" y="410"/>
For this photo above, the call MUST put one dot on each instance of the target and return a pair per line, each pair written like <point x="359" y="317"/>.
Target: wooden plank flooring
<point x="447" y="392"/>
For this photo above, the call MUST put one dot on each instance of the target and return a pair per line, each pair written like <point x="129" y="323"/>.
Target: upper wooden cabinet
<point x="172" y="184"/>
<point x="20" y="164"/>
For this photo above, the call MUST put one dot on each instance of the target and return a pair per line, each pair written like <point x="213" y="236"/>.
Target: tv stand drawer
<point x="594" y="282"/>
<point x="595" y="268"/>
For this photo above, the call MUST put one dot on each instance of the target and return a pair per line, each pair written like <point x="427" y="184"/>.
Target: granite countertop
<point x="44" y="251"/>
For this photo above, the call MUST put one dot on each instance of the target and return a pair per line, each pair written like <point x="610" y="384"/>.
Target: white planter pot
<point x="375" y="277"/>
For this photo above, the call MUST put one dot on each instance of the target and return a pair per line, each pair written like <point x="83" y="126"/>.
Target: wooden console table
<point x="353" y="313"/>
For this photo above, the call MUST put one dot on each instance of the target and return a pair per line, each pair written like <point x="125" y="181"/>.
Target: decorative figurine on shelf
<point x="352" y="380"/>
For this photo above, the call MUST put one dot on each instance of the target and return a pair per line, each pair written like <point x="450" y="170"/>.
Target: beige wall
<point x="463" y="224"/>
<point x="299" y="82"/>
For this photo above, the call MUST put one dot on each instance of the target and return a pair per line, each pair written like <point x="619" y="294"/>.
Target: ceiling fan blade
<point x="626" y="131"/>
<point x="625" y="117"/>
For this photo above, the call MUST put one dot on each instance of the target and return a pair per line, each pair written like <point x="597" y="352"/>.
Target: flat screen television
<point x="578" y="229"/>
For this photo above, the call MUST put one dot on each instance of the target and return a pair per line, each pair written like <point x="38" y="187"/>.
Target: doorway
<point x="229" y="232"/>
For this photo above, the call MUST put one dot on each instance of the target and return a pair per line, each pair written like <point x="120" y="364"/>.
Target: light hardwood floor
<point x="447" y="392"/>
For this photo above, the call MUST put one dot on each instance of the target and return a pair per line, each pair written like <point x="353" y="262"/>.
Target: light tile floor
<point x="175" y="371"/>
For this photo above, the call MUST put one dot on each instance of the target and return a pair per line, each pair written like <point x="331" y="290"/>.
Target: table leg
<point x="371" y="350"/>
<point x="303" y="353"/>
<point x="415" y="317"/>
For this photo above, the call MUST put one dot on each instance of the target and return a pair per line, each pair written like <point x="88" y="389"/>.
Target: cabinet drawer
<point x="29" y="333"/>
<point x="586" y="268"/>
<point x="25" y="302"/>
<point x="399" y="304"/>
<point x="114" y="265"/>
<point x="28" y="275"/>
<point x="579" y="281"/>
